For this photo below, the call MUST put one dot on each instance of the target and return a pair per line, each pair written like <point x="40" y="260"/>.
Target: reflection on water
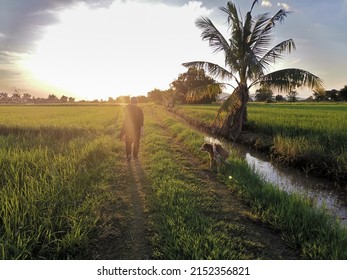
<point x="322" y="191"/>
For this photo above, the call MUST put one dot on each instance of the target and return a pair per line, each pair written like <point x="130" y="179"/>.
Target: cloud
<point x="21" y="21"/>
<point x="266" y="3"/>
<point x="283" y="6"/>
<point x="22" y="25"/>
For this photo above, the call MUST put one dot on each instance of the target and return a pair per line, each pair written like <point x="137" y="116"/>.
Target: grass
<point x="52" y="162"/>
<point x="58" y="162"/>
<point x="311" y="230"/>
<point x="312" y="136"/>
<point x="316" y="234"/>
<point x="181" y="225"/>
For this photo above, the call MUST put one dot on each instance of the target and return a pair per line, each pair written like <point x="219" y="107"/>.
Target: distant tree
<point x="292" y="96"/>
<point x="26" y="97"/>
<point x="4" y="97"/>
<point x="123" y="99"/>
<point x="155" y="95"/>
<point x="71" y="99"/>
<point x="194" y="86"/>
<point x="332" y="95"/>
<point x="279" y="98"/>
<point x="52" y="98"/>
<point x="64" y="99"/>
<point x="16" y="96"/>
<point x="169" y="98"/>
<point x="343" y="93"/>
<point x="319" y="94"/>
<point x="264" y="93"/>
<point x="142" y="99"/>
<point x="309" y="99"/>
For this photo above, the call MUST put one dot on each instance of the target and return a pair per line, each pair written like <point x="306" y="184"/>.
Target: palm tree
<point x="247" y="61"/>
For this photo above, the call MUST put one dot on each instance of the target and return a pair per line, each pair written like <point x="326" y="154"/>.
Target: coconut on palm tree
<point x="248" y="56"/>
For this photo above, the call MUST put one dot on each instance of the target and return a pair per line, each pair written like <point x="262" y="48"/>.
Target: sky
<point x="95" y="49"/>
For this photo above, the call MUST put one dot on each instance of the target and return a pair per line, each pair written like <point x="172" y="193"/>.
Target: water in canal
<point x="321" y="191"/>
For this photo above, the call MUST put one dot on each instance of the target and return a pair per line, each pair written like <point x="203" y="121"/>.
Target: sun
<point x="75" y="58"/>
<point x="128" y="48"/>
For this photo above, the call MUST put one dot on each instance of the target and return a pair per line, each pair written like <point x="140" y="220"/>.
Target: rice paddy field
<point x="67" y="192"/>
<point x="53" y="162"/>
<point x="312" y="136"/>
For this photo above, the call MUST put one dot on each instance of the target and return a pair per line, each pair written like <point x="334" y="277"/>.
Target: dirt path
<point x="122" y="233"/>
<point x="140" y="248"/>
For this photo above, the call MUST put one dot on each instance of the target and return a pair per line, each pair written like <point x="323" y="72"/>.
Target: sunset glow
<point x="97" y="53"/>
<point x="95" y="49"/>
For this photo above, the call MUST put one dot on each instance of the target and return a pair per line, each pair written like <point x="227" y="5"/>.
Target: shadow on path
<point x="123" y="226"/>
<point x="140" y="247"/>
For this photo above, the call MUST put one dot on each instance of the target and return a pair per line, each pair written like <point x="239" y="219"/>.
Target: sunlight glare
<point x="128" y="48"/>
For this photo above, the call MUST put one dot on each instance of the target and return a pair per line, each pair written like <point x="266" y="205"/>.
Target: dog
<point x="218" y="155"/>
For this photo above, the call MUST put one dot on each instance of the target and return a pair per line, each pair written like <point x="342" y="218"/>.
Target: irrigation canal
<point x="321" y="191"/>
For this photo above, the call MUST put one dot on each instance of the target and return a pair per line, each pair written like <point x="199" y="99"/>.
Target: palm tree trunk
<point x="236" y="120"/>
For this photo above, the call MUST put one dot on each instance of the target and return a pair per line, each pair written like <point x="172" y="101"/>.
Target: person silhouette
<point x="132" y="128"/>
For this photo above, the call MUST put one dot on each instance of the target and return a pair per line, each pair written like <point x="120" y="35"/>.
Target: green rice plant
<point x="52" y="168"/>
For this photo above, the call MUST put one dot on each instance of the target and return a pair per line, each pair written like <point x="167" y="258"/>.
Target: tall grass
<point x="311" y="229"/>
<point x="52" y="162"/>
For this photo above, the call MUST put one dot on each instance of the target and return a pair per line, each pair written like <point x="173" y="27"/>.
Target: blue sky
<point x="95" y="49"/>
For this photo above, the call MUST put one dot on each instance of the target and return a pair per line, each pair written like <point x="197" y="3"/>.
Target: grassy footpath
<point x="188" y="221"/>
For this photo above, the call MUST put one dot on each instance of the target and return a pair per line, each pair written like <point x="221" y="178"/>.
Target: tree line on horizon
<point x="266" y="94"/>
<point x="17" y="98"/>
<point x="179" y="91"/>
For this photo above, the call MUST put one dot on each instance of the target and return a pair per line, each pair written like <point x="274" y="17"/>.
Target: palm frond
<point x="255" y="68"/>
<point x="262" y="36"/>
<point x="254" y="2"/>
<point x="213" y="69"/>
<point x="228" y="106"/>
<point x="288" y="79"/>
<point x="277" y="51"/>
<point x="235" y="24"/>
<point x="217" y="41"/>
<point x="257" y="33"/>
<point x="228" y="103"/>
<point x="234" y="20"/>
<point x="211" y="34"/>
<point x="204" y="91"/>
